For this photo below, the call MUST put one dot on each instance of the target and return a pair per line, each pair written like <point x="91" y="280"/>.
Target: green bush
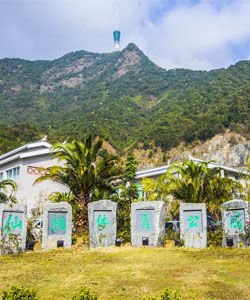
<point x="19" y="293"/>
<point x="172" y="235"/>
<point x="10" y="244"/>
<point x="214" y="238"/>
<point x="167" y="294"/>
<point x="84" y="294"/>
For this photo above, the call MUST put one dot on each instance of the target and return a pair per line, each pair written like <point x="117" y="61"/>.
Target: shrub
<point x="84" y="294"/>
<point x="214" y="238"/>
<point x="150" y="154"/>
<point x="10" y="244"/>
<point x="167" y="294"/>
<point x="19" y="293"/>
<point x="172" y="235"/>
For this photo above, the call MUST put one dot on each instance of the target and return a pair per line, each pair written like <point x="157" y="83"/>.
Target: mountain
<point x="14" y="137"/>
<point x="124" y="97"/>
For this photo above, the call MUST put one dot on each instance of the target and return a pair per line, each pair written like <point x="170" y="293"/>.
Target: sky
<point x="194" y="34"/>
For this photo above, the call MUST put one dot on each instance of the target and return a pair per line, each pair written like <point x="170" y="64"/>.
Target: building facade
<point x="157" y="172"/>
<point x="23" y="166"/>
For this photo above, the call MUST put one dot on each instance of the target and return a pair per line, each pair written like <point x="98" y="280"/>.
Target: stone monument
<point x="14" y="220"/>
<point x="193" y="224"/>
<point x="148" y="223"/>
<point x="235" y="222"/>
<point x="57" y="226"/>
<point x="102" y="223"/>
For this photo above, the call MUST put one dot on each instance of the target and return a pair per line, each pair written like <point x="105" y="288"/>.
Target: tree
<point x="128" y="193"/>
<point x="4" y="197"/>
<point x="196" y="182"/>
<point x="84" y="172"/>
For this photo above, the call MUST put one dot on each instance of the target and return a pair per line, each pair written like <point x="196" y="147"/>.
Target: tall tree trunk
<point x="81" y="218"/>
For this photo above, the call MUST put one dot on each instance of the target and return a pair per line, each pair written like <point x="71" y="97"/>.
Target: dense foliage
<point x="8" y="188"/>
<point x="124" y="97"/>
<point x="167" y="294"/>
<point x="83" y="171"/>
<point x="127" y="194"/>
<point x="84" y="293"/>
<point x="194" y="182"/>
<point x="19" y="293"/>
<point x="12" y="137"/>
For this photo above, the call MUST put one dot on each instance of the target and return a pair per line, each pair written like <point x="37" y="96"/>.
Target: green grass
<point x="131" y="273"/>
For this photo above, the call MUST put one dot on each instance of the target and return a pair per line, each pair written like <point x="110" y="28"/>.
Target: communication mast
<point x="116" y="34"/>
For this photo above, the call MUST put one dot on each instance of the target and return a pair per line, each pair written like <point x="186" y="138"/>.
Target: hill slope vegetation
<point x="124" y="97"/>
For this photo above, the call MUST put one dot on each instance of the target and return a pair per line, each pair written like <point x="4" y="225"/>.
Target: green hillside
<point x="124" y="97"/>
<point x="12" y="137"/>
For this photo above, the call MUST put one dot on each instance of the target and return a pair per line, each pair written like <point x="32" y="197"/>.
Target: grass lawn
<point x="131" y="273"/>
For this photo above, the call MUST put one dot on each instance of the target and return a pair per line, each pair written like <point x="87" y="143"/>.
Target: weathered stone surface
<point x="193" y="224"/>
<point x="102" y="223"/>
<point x="235" y="217"/>
<point x="57" y="225"/>
<point x="148" y="223"/>
<point x="14" y="220"/>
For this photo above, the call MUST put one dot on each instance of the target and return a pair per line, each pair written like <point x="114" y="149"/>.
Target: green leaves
<point x="4" y="197"/>
<point x="124" y="101"/>
<point x="194" y="182"/>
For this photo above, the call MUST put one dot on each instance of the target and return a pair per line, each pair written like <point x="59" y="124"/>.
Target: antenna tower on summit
<point x="116" y="34"/>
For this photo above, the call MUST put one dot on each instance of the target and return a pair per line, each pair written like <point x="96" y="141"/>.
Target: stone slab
<point x="102" y="223"/>
<point x="57" y="225"/>
<point x="235" y="217"/>
<point x="148" y="223"/>
<point x="14" y="220"/>
<point x="193" y="224"/>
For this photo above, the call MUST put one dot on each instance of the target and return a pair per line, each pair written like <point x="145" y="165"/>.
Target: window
<point x="13" y="173"/>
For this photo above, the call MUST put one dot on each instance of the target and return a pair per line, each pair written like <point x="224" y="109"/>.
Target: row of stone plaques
<point x="147" y="223"/>
<point x="57" y="224"/>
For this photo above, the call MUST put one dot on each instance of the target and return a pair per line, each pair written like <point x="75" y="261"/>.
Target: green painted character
<point x="235" y="221"/>
<point x="145" y="221"/>
<point x="58" y="223"/>
<point x="102" y="222"/>
<point x="12" y="225"/>
<point x="193" y="221"/>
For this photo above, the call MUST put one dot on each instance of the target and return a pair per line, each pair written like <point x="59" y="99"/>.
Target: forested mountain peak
<point x="124" y="97"/>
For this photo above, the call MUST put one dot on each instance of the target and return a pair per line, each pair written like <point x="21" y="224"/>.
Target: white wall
<point x="27" y="193"/>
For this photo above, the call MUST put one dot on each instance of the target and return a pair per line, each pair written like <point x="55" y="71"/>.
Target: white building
<point x="22" y="165"/>
<point x="157" y="172"/>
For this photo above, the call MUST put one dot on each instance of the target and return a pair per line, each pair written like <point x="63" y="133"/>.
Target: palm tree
<point x="84" y="172"/>
<point x="193" y="182"/>
<point x="4" y="197"/>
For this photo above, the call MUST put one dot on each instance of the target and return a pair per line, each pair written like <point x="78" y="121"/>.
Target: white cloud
<point x="199" y="36"/>
<point x="173" y="33"/>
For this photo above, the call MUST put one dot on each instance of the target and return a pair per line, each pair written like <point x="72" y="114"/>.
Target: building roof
<point x="152" y="172"/>
<point x="163" y="169"/>
<point x="23" y="151"/>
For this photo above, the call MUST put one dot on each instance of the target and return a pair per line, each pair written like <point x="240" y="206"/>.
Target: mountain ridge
<point x="124" y="97"/>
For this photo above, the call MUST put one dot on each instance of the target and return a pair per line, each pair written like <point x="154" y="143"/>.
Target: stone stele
<point x="57" y="226"/>
<point x="193" y="224"/>
<point x="14" y="220"/>
<point x="148" y="223"/>
<point x="102" y="223"/>
<point x="235" y="217"/>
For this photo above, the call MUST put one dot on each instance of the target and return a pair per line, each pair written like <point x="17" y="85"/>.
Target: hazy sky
<point x="196" y="34"/>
